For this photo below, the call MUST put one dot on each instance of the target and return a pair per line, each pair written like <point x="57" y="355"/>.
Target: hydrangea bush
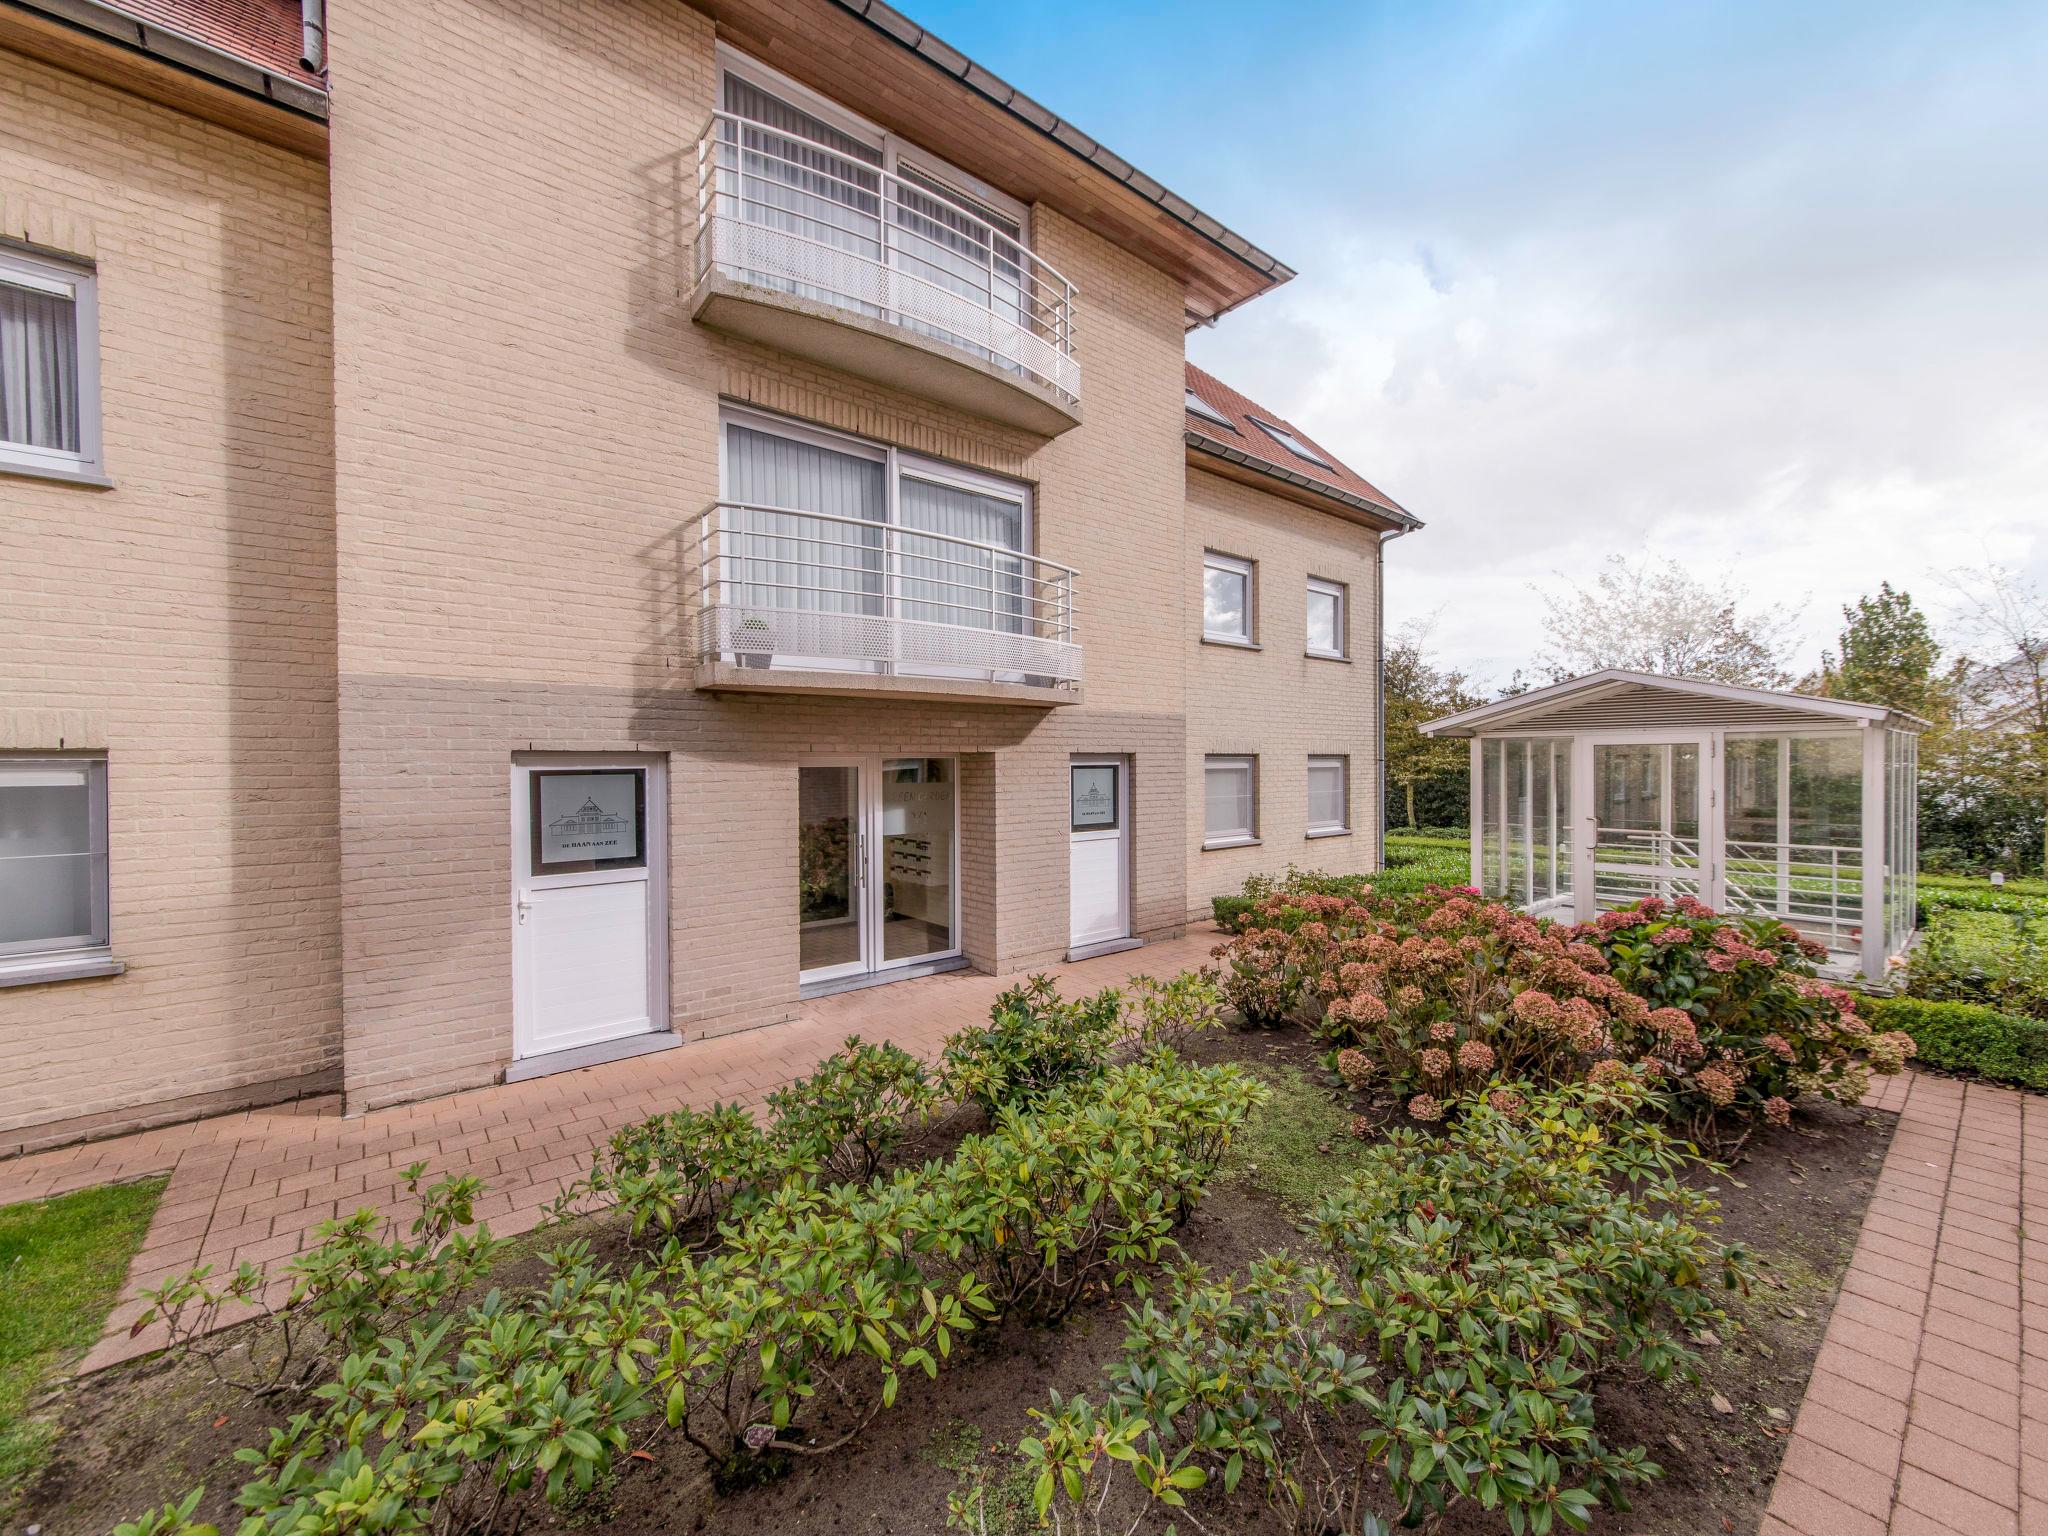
<point x="1442" y="998"/>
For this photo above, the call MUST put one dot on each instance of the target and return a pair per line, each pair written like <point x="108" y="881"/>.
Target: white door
<point x="1649" y="818"/>
<point x="1098" y="852"/>
<point x="588" y="932"/>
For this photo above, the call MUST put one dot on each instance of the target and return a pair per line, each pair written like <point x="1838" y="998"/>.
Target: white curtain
<point x="799" y="174"/>
<point x="956" y="246"/>
<point x="38" y="369"/>
<point x="798" y="562"/>
<point x="942" y="583"/>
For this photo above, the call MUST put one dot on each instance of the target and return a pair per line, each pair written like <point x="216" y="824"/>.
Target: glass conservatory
<point x="1597" y="792"/>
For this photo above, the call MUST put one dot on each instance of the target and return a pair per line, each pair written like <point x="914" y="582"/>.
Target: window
<point x="53" y="857"/>
<point x="49" y="367"/>
<point x="1226" y="599"/>
<point x="1229" y="801"/>
<point x="1291" y="443"/>
<point x="1329" y="795"/>
<point x="1197" y="406"/>
<point x="1325" y="618"/>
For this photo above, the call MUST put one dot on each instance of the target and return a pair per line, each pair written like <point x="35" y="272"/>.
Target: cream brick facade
<point x="1278" y="703"/>
<point x="182" y="621"/>
<point x="360" y="416"/>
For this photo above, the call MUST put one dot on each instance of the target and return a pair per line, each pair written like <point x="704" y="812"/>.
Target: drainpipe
<point x="313" y="34"/>
<point x="1379" y="673"/>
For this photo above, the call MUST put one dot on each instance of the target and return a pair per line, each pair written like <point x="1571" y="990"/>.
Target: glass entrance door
<point x="877" y="865"/>
<point x="1646" y="834"/>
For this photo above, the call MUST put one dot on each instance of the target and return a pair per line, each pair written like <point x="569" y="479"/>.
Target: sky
<point x="1761" y="288"/>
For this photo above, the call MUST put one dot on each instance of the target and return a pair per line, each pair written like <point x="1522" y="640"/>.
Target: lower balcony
<point x="791" y="601"/>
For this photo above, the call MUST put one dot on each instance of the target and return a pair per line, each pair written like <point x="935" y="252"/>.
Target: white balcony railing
<point x="779" y="587"/>
<point x="820" y="222"/>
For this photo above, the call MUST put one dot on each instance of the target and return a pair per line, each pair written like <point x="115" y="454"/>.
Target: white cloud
<point x="1803" y="341"/>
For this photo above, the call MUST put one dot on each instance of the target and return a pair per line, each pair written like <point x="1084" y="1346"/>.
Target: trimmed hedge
<point x="1969" y="1037"/>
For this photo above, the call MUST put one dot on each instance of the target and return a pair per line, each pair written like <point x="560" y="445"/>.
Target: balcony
<point x="785" y="600"/>
<point x="817" y="251"/>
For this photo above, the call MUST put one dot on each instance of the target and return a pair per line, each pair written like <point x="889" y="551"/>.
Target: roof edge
<point x="1503" y="711"/>
<point x="169" y="46"/>
<point x="893" y="24"/>
<point x="1203" y="443"/>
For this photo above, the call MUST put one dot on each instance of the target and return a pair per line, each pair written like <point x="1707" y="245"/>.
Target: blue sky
<point x="1762" y="288"/>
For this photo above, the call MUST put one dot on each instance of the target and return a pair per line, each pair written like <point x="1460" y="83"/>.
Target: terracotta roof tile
<point x="266" y="33"/>
<point x="1243" y="433"/>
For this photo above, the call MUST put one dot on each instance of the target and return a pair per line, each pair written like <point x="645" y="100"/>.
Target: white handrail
<point x="761" y="210"/>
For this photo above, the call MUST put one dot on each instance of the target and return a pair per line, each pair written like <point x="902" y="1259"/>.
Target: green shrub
<point x="1979" y="897"/>
<point x="1970" y="1037"/>
<point x="1172" y="1013"/>
<point x="676" y="1168"/>
<point x="853" y="1112"/>
<point x="1495" y="1273"/>
<point x="1226" y="1380"/>
<point x="2000" y="959"/>
<point x="1034" y="1043"/>
<point x="1231" y="911"/>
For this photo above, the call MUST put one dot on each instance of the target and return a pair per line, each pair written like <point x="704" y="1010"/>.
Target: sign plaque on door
<point x="1094" y="800"/>
<point x="588" y="819"/>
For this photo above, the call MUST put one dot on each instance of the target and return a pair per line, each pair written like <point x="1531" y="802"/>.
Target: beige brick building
<point x="621" y="516"/>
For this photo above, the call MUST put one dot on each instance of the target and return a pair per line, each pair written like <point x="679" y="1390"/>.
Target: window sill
<point x="1232" y="645"/>
<point x="1314" y="832"/>
<point x="1230" y="842"/>
<point x="35" y="973"/>
<point x="1327" y="656"/>
<point x="91" y="478"/>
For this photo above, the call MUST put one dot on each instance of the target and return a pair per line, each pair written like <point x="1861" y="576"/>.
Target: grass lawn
<point x="62" y="1263"/>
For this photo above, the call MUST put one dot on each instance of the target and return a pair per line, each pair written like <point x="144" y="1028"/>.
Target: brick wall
<point x="526" y="416"/>
<point x="183" y="620"/>
<point x="1278" y="703"/>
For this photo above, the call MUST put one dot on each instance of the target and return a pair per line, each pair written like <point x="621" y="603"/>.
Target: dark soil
<point x="137" y="1435"/>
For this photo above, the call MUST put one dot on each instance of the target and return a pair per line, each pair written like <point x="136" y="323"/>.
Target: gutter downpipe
<point x="313" y="34"/>
<point x="1379" y="674"/>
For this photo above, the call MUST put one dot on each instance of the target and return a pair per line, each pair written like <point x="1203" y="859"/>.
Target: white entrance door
<point x="877" y="865"/>
<point x="1098" y="852"/>
<point x="588" y="927"/>
<point x="1650" y="817"/>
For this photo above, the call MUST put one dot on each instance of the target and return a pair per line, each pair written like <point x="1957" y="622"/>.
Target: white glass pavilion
<point x="1597" y="792"/>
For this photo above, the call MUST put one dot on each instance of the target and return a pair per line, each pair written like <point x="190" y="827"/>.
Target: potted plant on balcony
<point x="753" y="642"/>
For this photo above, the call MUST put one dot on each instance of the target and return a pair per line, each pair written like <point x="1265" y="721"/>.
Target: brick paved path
<point x="1927" y="1414"/>
<point x="254" y="1185"/>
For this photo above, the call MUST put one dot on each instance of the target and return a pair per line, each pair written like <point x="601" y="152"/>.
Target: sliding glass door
<point x="877" y="865"/>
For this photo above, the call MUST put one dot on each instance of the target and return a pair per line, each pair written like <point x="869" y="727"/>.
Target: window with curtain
<point x="943" y="583"/>
<point x="53" y="856"/>
<point x="1229" y="800"/>
<point x="1325" y="618"/>
<point x="1226" y="598"/>
<point x="793" y="561"/>
<point x="48" y="365"/>
<point x="1329" y="797"/>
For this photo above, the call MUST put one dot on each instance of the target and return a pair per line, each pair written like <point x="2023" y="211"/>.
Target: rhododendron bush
<point x="1451" y="996"/>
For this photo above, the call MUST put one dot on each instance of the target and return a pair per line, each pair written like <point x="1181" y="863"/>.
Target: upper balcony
<point x="813" y="602"/>
<point x="819" y="250"/>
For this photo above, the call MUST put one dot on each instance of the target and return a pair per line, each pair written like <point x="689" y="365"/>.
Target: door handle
<point x="525" y="907"/>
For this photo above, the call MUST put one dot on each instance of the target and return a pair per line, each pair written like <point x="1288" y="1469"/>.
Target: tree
<point x="1993" y="761"/>
<point x="1417" y="691"/>
<point x="1886" y="655"/>
<point x="1656" y="617"/>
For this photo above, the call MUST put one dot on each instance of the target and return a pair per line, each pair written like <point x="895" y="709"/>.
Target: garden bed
<point x="138" y="1434"/>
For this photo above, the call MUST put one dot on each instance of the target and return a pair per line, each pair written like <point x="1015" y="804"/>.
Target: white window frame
<point x="1323" y="586"/>
<point x="39" y="955"/>
<point x="1342" y="825"/>
<point x="1231" y="837"/>
<point x="78" y="282"/>
<point x="1216" y="560"/>
<point x="897" y="153"/>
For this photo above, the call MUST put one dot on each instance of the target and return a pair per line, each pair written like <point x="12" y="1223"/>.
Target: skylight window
<point x="1197" y="406"/>
<point x="1291" y="443"/>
